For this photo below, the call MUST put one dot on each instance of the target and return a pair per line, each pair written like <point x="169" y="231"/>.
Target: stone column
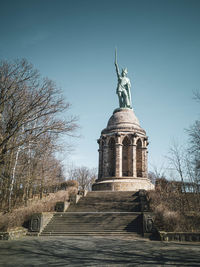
<point x="144" y="162"/>
<point x="145" y="158"/>
<point x="133" y="150"/>
<point x="118" y="160"/>
<point x="105" y="161"/>
<point x="118" y="156"/>
<point x="99" y="141"/>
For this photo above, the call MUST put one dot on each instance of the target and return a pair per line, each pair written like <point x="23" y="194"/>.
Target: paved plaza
<point x="97" y="251"/>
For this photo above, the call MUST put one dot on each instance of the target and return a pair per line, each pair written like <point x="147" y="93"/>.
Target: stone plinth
<point x="123" y="154"/>
<point x="123" y="184"/>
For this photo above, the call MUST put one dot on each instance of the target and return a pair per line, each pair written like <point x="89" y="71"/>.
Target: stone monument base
<point x="123" y="184"/>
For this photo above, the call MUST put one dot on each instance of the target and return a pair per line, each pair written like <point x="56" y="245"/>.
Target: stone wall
<point x="180" y="236"/>
<point x="14" y="233"/>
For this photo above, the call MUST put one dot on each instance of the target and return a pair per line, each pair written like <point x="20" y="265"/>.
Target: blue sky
<point x="72" y="42"/>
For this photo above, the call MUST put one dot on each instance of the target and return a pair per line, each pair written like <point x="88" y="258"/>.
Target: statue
<point x="123" y="86"/>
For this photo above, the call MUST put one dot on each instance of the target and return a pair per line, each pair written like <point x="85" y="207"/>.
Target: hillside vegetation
<point x="21" y="215"/>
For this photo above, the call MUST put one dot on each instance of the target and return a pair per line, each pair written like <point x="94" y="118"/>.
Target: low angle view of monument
<point x="123" y="155"/>
<point x="100" y="144"/>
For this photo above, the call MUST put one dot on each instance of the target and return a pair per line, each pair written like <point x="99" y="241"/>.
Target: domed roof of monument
<point x="123" y="119"/>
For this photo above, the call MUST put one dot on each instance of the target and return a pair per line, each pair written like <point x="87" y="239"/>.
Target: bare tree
<point x="156" y="173"/>
<point x="30" y="109"/>
<point x="84" y="176"/>
<point x="178" y="161"/>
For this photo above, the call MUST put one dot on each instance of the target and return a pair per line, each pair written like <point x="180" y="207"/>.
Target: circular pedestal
<point x="123" y="184"/>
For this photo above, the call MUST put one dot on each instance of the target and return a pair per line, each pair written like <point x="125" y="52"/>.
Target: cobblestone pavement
<point x="97" y="251"/>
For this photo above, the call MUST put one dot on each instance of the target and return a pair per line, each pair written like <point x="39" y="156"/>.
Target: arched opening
<point x="139" y="158"/>
<point x="111" y="157"/>
<point x="126" y="157"/>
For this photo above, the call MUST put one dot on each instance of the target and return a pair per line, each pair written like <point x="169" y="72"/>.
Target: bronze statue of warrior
<point x="123" y="86"/>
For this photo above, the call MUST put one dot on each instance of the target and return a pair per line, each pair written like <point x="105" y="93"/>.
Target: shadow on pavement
<point x="93" y="251"/>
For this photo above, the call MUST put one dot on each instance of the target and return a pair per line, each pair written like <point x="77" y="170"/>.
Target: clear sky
<point x="72" y="42"/>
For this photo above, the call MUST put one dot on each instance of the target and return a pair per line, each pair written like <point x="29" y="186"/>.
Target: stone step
<point x="117" y="213"/>
<point x="77" y="227"/>
<point x="87" y="224"/>
<point x="110" y="203"/>
<point x="117" y="222"/>
<point x="92" y="223"/>
<point x="102" y="199"/>
<point x="90" y="227"/>
<point x="115" y="194"/>
<point x="97" y="214"/>
<point x="87" y="233"/>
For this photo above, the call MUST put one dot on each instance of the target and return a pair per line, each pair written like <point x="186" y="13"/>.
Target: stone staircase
<point x="102" y="201"/>
<point x="99" y="213"/>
